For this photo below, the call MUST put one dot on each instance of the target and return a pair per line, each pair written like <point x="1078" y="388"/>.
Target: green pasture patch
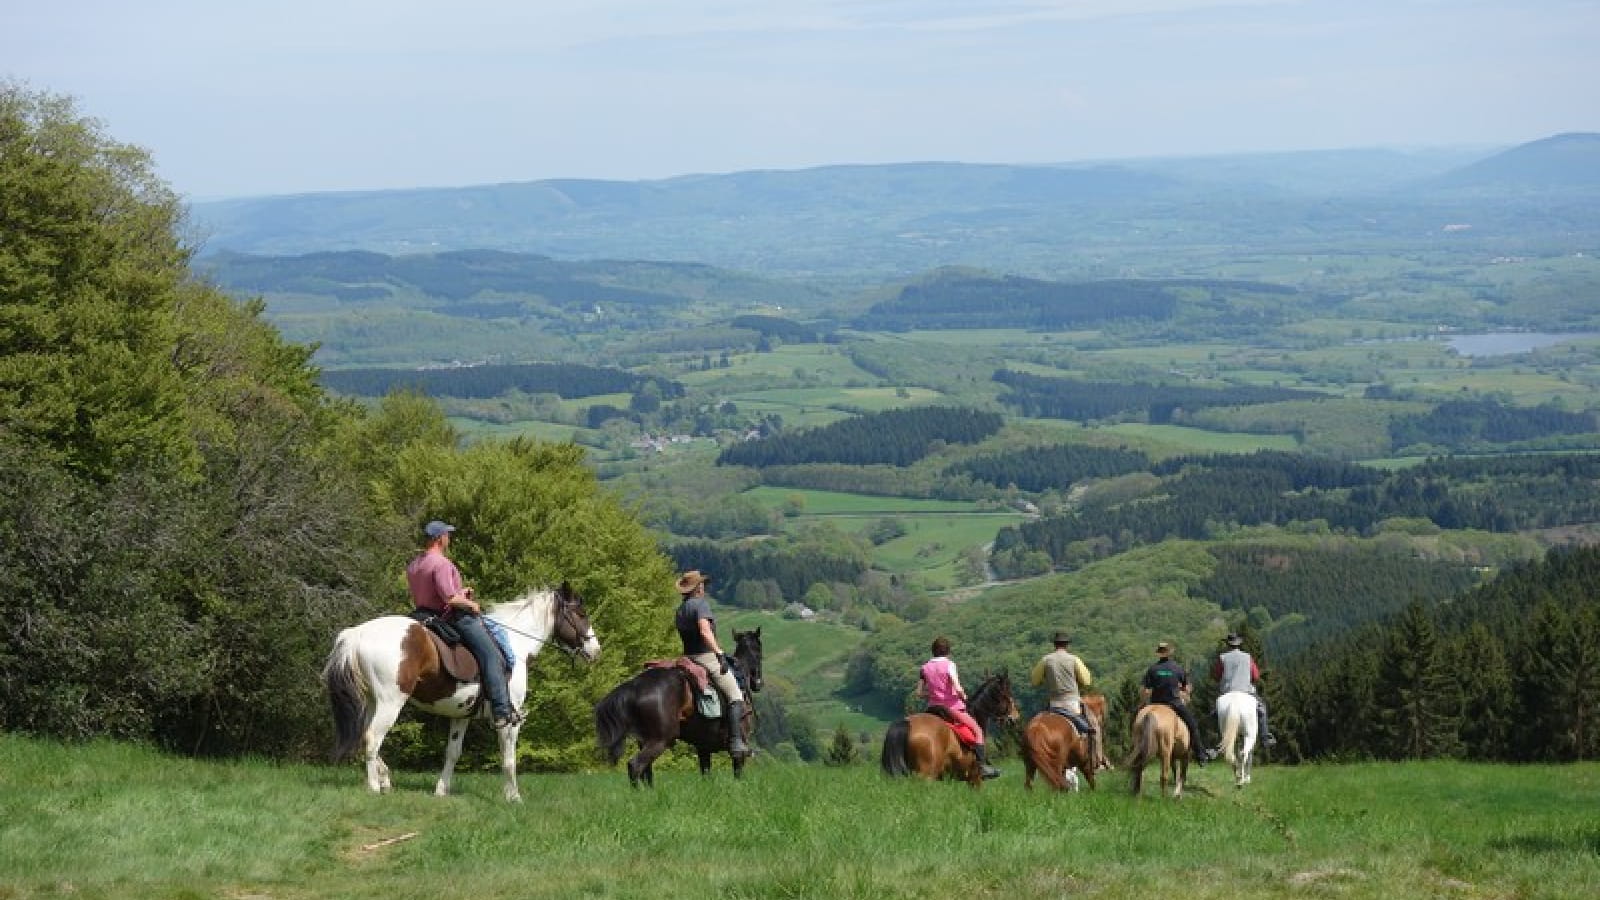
<point x="932" y="545"/>
<point x="552" y="432"/>
<point x="1194" y="440"/>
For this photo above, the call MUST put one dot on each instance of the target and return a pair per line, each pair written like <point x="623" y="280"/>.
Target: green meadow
<point x="115" y="821"/>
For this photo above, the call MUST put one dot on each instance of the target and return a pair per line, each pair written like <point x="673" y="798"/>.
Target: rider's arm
<point x="710" y="635"/>
<point x="955" y="681"/>
<point x="1036" y="677"/>
<point x="1255" y="671"/>
<point x="1084" y="679"/>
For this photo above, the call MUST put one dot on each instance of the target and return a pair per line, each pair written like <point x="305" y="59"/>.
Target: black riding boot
<point x="982" y="753"/>
<point x="736" y="744"/>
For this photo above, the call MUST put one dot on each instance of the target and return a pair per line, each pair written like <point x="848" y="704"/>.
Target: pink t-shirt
<point x="433" y="580"/>
<point x="939" y="675"/>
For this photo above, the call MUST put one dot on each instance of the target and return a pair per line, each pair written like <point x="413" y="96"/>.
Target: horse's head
<point x="572" y="630"/>
<point x="993" y="699"/>
<point x="747" y="652"/>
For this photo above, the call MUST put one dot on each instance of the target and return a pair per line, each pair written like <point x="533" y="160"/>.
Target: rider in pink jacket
<point x="941" y="685"/>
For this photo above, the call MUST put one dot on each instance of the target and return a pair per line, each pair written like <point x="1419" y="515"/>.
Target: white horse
<point x="1236" y="714"/>
<point x="379" y="665"/>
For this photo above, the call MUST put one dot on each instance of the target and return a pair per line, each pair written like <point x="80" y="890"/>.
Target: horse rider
<point x="1065" y="676"/>
<point x="941" y="685"/>
<point x="436" y="590"/>
<point x="1167" y="683"/>
<point x="697" y="627"/>
<point x="1235" y="670"/>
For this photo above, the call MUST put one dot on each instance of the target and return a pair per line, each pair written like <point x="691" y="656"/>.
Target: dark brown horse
<point x="1157" y="731"/>
<point x="924" y="743"/>
<point x="1052" y="746"/>
<point x="658" y="707"/>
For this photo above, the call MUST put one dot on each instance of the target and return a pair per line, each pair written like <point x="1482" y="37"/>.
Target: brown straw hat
<point x="691" y="580"/>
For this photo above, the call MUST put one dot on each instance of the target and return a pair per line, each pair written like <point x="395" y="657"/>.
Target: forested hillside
<point x="1504" y="672"/>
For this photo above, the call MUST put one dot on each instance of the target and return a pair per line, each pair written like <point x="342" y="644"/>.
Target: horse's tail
<point x="612" y="722"/>
<point x="1144" y="741"/>
<point x="1230" y="731"/>
<point x="895" y="742"/>
<point x="347" y="695"/>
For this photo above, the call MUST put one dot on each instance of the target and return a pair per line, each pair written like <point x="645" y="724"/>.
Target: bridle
<point x="568" y="613"/>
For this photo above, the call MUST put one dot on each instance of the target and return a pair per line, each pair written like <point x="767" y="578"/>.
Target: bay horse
<point x="379" y="666"/>
<point x="1158" y="732"/>
<point x="1052" y="745"/>
<point x="657" y="706"/>
<point x="924" y="744"/>
<point x="1236" y="717"/>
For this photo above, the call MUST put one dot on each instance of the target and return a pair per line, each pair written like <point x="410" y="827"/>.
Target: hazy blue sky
<point x="239" y="98"/>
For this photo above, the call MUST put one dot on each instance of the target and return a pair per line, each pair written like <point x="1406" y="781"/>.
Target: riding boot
<point x="982" y="753"/>
<point x="736" y="744"/>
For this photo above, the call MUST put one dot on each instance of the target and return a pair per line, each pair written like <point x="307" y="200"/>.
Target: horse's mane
<point x="507" y="608"/>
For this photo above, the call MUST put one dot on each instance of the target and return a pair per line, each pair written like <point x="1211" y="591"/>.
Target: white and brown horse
<point x="378" y="666"/>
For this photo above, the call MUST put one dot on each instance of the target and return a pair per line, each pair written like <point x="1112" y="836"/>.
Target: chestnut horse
<point x="1157" y="731"/>
<point x="924" y="743"/>
<point x="1052" y="746"/>
<point x="380" y="665"/>
<point x="658" y="707"/>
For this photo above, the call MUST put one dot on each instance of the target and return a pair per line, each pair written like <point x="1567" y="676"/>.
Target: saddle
<point x="1079" y="720"/>
<point x="453" y="655"/>
<point x="708" y="700"/>
<point x="964" y="732"/>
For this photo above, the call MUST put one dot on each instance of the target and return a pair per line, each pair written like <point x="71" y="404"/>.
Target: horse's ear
<point x="566" y="589"/>
<point x="758" y="634"/>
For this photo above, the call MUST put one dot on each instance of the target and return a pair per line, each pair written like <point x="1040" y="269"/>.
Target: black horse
<point x="658" y="707"/>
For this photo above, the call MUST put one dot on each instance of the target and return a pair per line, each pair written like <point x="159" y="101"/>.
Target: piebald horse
<point x="1157" y="731"/>
<point x="380" y="665"/>
<point x="1236" y="717"/>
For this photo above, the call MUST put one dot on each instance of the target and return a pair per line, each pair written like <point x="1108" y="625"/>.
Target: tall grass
<point x="115" y="821"/>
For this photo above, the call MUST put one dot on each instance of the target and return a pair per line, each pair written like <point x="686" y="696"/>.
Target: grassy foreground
<point x="111" y="820"/>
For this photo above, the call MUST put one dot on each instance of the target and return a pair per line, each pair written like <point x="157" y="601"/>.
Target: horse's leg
<point x="452" y="752"/>
<point x="385" y="709"/>
<point x="508" y="761"/>
<point x="705" y="761"/>
<point x="639" y="766"/>
<point x="738" y="763"/>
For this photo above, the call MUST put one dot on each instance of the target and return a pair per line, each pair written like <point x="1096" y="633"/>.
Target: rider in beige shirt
<point x="1064" y="676"/>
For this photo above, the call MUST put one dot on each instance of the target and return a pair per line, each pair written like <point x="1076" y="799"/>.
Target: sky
<point x="250" y="98"/>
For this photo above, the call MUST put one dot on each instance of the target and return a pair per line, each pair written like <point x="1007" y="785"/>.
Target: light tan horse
<point x="1157" y="731"/>
<point x="1052" y="746"/>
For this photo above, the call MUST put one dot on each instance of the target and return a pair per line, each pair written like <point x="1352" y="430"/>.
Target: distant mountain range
<point x="874" y="222"/>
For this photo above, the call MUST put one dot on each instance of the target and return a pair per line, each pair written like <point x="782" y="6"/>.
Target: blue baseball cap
<point x="437" y="529"/>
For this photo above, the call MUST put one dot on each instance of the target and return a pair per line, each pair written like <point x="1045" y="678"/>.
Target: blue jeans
<point x="491" y="663"/>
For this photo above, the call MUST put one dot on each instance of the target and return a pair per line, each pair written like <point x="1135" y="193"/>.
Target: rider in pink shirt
<point x="941" y="684"/>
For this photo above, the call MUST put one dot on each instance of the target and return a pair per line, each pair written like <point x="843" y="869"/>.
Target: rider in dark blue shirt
<point x="1166" y="682"/>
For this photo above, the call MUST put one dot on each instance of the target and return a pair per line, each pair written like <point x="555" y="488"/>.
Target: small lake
<point x="1501" y="343"/>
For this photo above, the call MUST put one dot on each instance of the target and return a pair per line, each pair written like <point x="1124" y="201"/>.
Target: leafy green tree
<point x="90" y="270"/>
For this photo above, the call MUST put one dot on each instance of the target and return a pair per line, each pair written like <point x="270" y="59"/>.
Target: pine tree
<point x="1483" y="672"/>
<point x="1543" y="681"/>
<point x="1418" y="704"/>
